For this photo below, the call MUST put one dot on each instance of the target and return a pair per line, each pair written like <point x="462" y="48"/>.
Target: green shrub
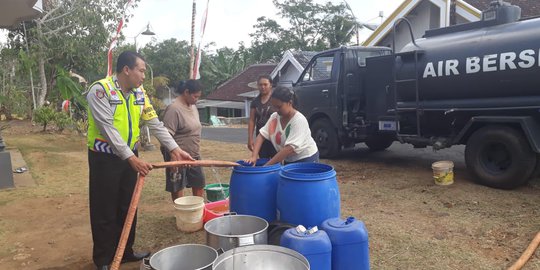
<point x="82" y="126"/>
<point x="62" y="120"/>
<point x="44" y="115"/>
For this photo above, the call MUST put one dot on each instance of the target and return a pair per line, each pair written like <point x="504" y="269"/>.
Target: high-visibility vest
<point x="126" y="115"/>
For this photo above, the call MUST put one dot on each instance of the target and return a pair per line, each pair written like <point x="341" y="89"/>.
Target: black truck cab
<point x="331" y="94"/>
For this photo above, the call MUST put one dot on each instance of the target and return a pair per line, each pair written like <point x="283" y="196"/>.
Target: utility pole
<point x="355" y="23"/>
<point x="192" y="56"/>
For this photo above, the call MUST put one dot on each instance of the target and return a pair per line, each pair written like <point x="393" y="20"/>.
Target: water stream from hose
<point x="218" y="178"/>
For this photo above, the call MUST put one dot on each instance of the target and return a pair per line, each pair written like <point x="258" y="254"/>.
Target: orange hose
<point x="137" y="194"/>
<point x="526" y="254"/>
<point x="128" y="223"/>
<point x="195" y="163"/>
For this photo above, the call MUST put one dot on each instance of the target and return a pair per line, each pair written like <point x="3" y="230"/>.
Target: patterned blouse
<point x="296" y="134"/>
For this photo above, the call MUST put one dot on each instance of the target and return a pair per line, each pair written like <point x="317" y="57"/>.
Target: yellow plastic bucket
<point x="443" y="172"/>
<point x="189" y="213"/>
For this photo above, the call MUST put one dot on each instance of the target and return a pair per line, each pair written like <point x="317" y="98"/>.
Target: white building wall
<point x="434" y="14"/>
<point x="247" y="104"/>
<point x="291" y="75"/>
<point x="421" y="20"/>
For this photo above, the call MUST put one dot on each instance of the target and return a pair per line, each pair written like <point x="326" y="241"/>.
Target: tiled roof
<point x="303" y="57"/>
<point x="239" y="83"/>
<point x="529" y="8"/>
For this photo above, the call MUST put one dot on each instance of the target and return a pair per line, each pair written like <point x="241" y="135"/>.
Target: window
<point x="229" y="112"/>
<point x="319" y="69"/>
<point x="362" y="56"/>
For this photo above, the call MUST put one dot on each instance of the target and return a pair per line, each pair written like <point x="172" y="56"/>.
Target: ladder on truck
<point x="400" y="84"/>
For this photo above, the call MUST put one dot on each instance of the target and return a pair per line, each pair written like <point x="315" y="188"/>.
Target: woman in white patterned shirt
<point x="288" y="130"/>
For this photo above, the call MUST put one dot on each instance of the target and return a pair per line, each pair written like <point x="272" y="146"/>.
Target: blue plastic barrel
<point x="307" y="194"/>
<point x="316" y="247"/>
<point x="252" y="189"/>
<point x="350" y="244"/>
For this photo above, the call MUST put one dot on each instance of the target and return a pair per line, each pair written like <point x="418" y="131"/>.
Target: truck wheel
<point x="379" y="143"/>
<point x="324" y="134"/>
<point x="536" y="171"/>
<point x="499" y="157"/>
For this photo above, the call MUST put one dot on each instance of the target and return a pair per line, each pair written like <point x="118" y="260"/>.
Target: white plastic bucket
<point x="443" y="172"/>
<point x="189" y="213"/>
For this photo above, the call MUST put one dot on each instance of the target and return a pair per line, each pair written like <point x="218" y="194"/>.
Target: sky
<point x="229" y="21"/>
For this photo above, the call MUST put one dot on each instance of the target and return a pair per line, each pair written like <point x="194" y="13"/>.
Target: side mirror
<point x="307" y="77"/>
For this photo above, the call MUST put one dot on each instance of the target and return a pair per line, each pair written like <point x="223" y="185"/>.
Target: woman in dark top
<point x="260" y="111"/>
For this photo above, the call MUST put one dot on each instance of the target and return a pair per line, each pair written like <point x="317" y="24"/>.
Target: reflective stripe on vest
<point x="126" y="116"/>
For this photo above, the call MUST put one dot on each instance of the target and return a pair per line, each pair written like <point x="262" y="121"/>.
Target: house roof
<point x="303" y="57"/>
<point x="237" y="85"/>
<point x="299" y="59"/>
<point x="529" y="8"/>
<point x="471" y="9"/>
<point x="13" y="12"/>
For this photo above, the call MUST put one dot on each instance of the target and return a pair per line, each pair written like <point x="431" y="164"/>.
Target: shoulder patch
<point x="139" y="97"/>
<point x="100" y="93"/>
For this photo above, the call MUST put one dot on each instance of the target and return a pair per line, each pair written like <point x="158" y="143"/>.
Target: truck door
<point x="316" y="88"/>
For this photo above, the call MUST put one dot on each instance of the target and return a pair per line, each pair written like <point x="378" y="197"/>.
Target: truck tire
<point x="325" y="135"/>
<point x="378" y="143"/>
<point x="499" y="157"/>
<point x="536" y="171"/>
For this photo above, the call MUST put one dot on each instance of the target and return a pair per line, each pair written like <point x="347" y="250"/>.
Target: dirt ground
<point x="412" y="223"/>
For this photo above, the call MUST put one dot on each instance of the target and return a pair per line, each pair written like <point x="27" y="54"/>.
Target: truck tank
<point x="494" y="62"/>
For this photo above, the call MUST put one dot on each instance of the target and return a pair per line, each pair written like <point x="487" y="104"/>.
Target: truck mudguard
<point x="528" y="125"/>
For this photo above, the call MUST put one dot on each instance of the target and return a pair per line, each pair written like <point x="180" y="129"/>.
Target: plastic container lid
<point x="306" y="243"/>
<point x="305" y="171"/>
<point x="313" y="230"/>
<point x="258" y="168"/>
<point x="343" y="232"/>
<point x="301" y="231"/>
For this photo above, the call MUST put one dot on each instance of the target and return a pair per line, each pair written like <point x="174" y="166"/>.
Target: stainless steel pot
<point x="232" y="231"/>
<point x="261" y="257"/>
<point x="182" y="257"/>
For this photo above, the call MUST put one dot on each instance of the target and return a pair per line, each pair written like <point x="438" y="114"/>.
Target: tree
<point x="169" y="58"/>
<point x="339" y="28"/>
<point x="14" y="100"/>
<point x="69" y="89"/>
<point x="74" y="35"/>
<point x="305" y="18"/>
<point x="312" y="27"/>
<point x="267" y="42"/>
<point x="161" y="84"/>
<point x="222" y="65"/>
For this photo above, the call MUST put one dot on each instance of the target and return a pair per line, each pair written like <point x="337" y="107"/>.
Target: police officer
<point x="116" y="106"/>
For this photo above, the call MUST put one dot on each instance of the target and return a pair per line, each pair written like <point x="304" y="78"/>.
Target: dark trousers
<point x="310" y="159"/>
<point x="112" y="182"/>
<point x="267" y="150"/>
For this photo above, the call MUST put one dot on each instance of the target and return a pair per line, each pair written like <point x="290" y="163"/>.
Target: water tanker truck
<point x="474" y="84"/>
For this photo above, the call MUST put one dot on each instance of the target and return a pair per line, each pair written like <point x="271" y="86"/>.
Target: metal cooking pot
<point x="261" y="257"/>
<point x="182" y="257"/>
<point x="232" y="231"/>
